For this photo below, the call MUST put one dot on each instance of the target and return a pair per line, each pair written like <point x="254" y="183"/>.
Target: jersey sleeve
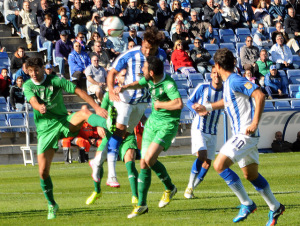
<point x="172" y="91"/>
<point x="105" y="101"/>
<point x="28" y="91"/>
<point x="121" y="62"/>
<point x="143" y="82"/>
<point x="243" y="85"/>
<point x="66" y="85"/>
<point x="196" y="95"/>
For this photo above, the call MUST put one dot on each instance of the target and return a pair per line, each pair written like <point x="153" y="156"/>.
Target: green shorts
<point x="128" y="143"/>
<point x="56" y="130"/>
<point x="160" y="132"/>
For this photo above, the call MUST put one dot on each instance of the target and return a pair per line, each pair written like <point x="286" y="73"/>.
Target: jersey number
<point x="240" y="144"/>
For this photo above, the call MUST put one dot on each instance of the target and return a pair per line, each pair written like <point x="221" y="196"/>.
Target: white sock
<point x="239" y="190"/>
<point x="269" y="197"/>
<point x="100" y="158"/>
<point x="111" y="164"/>
<point x="191" y="181"/>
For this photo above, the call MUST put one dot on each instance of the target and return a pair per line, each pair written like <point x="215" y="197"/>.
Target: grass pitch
<point x="22" y="201"/>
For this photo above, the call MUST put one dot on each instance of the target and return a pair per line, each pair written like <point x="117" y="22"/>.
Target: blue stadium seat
<point x="196" y="82"/>
<point x="194" y="76"/>
<point x="241" y="34"/>
<point x="3" y="123"/>
<point x="178" y="76"/>
<point x="17" y="122"/>
<point x="3" y="107"/>
<point x="2" y="100"/>
<point x="55" y="63"/>
<point x="285" y="80"/>
<point x="226" y="35"/>
<point x="283" y="104"/>
<point x="207" y="77"/>
<point x="229" y="46"/>
<point x="270" y="30"/>
<point x="191" y="46"/>
<point x="4" y="61"/>
<point x="238" y="47"/>
<point x="167" y="34"/>
<point x="181" y="81"/>
<point x="296" y="59"/>
<point x="293" y="76"/>
<point x="216" y="35"/>
<point x="140" y="34"/>
<point x="186" y="115"/>
<point x="293" y="89"/>
<point x="184" y="95"/>
<point x="39" y="44"/>
<point x="253" y="31"/>
<point x="2" y="117"/>
<point x="126" y="34"/>
<point x="211" y="48"/>
<point x="295" y="104"/>
<point x="269" y="106"/>
<point x="190" y="91"/>
<point x="239" y="63"/>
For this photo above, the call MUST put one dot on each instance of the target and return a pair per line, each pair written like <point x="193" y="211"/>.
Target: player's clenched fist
<point x="43" y="109"/>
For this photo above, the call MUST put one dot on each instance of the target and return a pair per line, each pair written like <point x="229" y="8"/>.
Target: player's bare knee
<point x="143" y="164"/>
<point x="218" y="167"/>
<point x="130" y="155"/>
<point x="44" y="174"/>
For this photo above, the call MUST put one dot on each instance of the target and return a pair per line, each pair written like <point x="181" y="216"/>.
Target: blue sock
<point x="202" y="173"/>
<point x="229" y="176"/>
<point x="260" y="183"/>
<point x="196" y="166"/>
<point x="114" y="143"/>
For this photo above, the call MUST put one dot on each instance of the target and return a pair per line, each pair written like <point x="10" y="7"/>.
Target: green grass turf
<point x="22" y="201"/>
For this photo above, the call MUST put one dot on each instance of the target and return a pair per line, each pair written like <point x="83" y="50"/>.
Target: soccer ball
<point x="113" y="26"/>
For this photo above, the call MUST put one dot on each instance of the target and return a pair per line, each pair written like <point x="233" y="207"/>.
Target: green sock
<point x="163" y="175"/>
<point x="97" y="184"/>
<point x="47" y="188"/>
<point x="132" y="177"/>
<point x="96" y="120"/>
<point x="144" y="183"/>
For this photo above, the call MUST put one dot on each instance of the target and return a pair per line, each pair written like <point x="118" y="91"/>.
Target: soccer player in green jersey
<point x="127" y="154"/>
<point x="161" y="127"/>
<point x="44" y="93"/>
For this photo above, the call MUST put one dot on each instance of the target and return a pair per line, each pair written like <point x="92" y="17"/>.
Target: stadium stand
<point x="293" y="76"/>
<point x="241" y="34"/>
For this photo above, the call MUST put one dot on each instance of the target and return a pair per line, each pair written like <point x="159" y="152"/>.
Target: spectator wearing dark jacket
<point x="113" y="10"/>
<point x="183" y="36"/>
<point x="274" y="84"/>
<point x="145" y="18"/>
<point x="23" y="72"/>
<point x="49" y="35"/>
<point x="213" y="15"/>
<point x="292" y="25"/>
<point x="296" y="144"/>
<point x="277" y="11"/>
<point x="63" y="48"/>
<point x="133" y="37"/>
<point x="279" y="145"/>
<point x="16" y="95"/>
<point x="197" y="28"/>
<point x="18" y="59"/>
<point x="247" y="18"/>
<point x="64" y="26"/>
<point x="43" y="11"/>
<point x="131" y="15"/>
<point x="164" y="16"/>
<point x="79" y="17"/>
<point x="201" y="57"/>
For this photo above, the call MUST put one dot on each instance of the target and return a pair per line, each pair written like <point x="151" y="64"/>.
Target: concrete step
<point x="12" y="43"/>
<point x="29" y="53"/>
<point x="5" y="30"/>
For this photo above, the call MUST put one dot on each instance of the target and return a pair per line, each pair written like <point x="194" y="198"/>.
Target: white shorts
<point x="129" y="114"/>
<point x="241" y="149"/>
<point x="93" y="88"/>
<point x="204" y="141"/>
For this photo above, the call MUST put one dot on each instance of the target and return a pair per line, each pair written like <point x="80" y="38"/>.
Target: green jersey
<point x="164" y="91"/>
<point x="49" y="92"/>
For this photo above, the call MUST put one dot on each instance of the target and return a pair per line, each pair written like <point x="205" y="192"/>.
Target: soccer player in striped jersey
<point x="243" y="102"/>
<point x="131" y="104"/>
<point x="204" y="130"/>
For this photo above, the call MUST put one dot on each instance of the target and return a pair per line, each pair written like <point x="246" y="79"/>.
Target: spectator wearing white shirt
<point x="282" y="55"/>
<point x="261" y="38"/>
<point x="230" y="14"/>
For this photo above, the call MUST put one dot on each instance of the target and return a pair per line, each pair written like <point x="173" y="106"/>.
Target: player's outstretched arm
<point x="259" y="98"/>
<point x="37" y="106"/>
<point x="171" y="105"/>
<point x="110" y="84"/>
<point x="83" y="95"/>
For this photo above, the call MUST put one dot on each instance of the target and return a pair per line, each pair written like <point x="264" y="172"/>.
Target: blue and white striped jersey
<point x="238" y="103"/>
<point x="204" y="94"/>
<point x="133" y="60"/>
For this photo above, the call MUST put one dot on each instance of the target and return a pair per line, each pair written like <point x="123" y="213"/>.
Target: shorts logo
<point x="161" y="140"/>
<point x="248" y="85"/>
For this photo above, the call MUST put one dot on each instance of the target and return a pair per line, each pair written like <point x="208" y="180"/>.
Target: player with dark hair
<point x="131" y="104"/>
<point x="44" y="93"/>
<point x="243" y="103"/>
<point x="161" y="127"/>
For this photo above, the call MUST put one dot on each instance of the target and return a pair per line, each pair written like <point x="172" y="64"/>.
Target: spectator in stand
<point x="198" y="5"/>
<point x="209" y="35"/>
<point x="282" y="55"/>
<point x="179" y="20"/>
<point x="183" y="36"/>
<point x="62" y="11"/>
<point x="16" y="96"/>
<point x="5" y="82"/>
<point x="18" y="59"/>
<point x="152" y="6"/>
<point x="213" y="14"/>
<point x="99" y="9"/>
<point x="116" y="45"/>
<point x="64" y="26"/>
<point x="292" y="25"/>
<point x="230" y="15"/>
<point x="49" y="36"/>
<point x="296" y="144"/>
<point x="248" y="75"/>
<point x="131" y="15"/>
<point x="103" y="58"/>
<point x="27" y="20"/>
<point x="80" y="38"/>
<point x="2" y="9"/>
<point x="113" y="9"/>
<point x="79" y="17"/>
<point x="261" y="38"/>
<point x="274" y="84"/>
<point x="22" y="72"/>
<point x="145" y="18"/>
<point x="49" y="69"/>
<point x="78" y="61"/>
<point x="291" y="43"/>
<point x="43" y="10"/>
<point x="133" y="37"/>
<point x="131" y="44"/>
<point x="12" y="10"/>
<point x="176" y="8"/>
<point x="263" y="64"/>
<point x="249" y="55"/>
<point x="247" y="18"/>
<point x="96" y="79"/>
<point x="164" y="16"/>
<point x="279" y="145"/>
<point x="197" y="28"/>
<point x="262" y="14"/>
<point x="125" y="3"/>
<point x="90" y="43"/>
<point x="179" y="57"/>
<point x="201" y="57"/>
<point x="167" y="45"/>
<point x="295" y="4"/>
<point x="94" y="25"/>
<point x="63" y="48"/>
<point x="277" y="11"/>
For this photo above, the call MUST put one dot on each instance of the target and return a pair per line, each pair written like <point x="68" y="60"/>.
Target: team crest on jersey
<point x="170" y="86"/>
<point x="51" y="88"/>
<point x="248" y="85"/>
